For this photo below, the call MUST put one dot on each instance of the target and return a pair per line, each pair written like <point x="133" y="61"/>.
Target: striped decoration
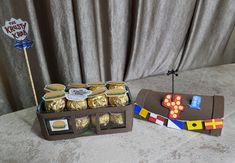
<point x="209" y="124"/>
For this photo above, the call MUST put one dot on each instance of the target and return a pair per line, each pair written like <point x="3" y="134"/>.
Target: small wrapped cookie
<point x="54" y="87"/>
<point x="54" y="101"/>
<point x="117" y="97"/>
<point x="97" y="99"/>
<point x="82" y="122"/>
<point x="103" y="119"/>
<point x="116" y="85"/>
<point x="117" y="118"/>
<point x="96" y="85"/>
<point x="77" y="86"/>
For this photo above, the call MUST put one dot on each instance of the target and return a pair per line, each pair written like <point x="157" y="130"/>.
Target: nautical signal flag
<point x="194" y="125"/>
<point x="155" y="118"/>
<point x="177" y="124"/>
<point x="213" y="124"/>
<point x="143" y="113"/>
<point x="160" y="120"/>
<point x="152" y="117"/>
<point x="137" y="109"/>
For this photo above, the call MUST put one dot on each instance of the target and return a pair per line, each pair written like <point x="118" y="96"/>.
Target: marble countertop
<point x="21" y="141"/>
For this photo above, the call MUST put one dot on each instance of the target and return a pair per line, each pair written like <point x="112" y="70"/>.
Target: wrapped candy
<point x="97" y="99"/>
<point x="103" y="120"/>
<point x="54" y="87"/>
<point x="54" y="101"/>
<point x="96" y="85"/>
<point x="117" y="97"/>
<point x="82" y="122"/>
<point x="116" y="85"/>
<point x="117" y="118"/>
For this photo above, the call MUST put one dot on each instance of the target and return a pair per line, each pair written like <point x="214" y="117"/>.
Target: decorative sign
<point x="17" y="29"/>
<point x="175" y="106"/>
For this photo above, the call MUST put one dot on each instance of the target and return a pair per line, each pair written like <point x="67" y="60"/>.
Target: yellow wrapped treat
<point x="54" y="101"/>
<point x="54" y="87"/>
<point x="96" y="85"/>
<point x="97" y="99"/>
<point x="82" y="122"/>
<point x="116" y="85"/>
<point x="117" y="97"/>
<point x="103" y="120"/>
<point x="117" y="118"/>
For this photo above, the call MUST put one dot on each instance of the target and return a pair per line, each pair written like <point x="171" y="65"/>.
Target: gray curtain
<point x="91" y="40"/>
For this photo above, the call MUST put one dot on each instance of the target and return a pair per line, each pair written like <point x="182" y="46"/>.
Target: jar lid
<point x="97" y="92"/>
<point x="115" y="92"/>
<point x="96" y="84"/>
<point x="116" y="83"/>
<point x="53" y="95"/>
<point x="77" y="85"/>
<point x="54" y="87"/>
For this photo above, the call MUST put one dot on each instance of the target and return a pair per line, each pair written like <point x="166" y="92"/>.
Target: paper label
<point x="59" y="125"/>
<point x="16" y="29"/>
<point x="80" y="91"/>
<point x="74" y="97"/>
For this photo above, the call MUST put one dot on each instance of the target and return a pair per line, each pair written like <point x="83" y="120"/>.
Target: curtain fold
<point x="91" y="40"/>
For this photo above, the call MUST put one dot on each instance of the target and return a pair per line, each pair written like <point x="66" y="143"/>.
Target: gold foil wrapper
<point x="113" y="86"/>
<point x="117" y="118"/>
<point x="96" y="87"/>
<point x="76" y="105"/>
<point x="119" y="100"/>
<point x="82" y="122"/>
<point x="56" y="105"/>
<point x="103" y="119"/>
<point x="98" y="101"/>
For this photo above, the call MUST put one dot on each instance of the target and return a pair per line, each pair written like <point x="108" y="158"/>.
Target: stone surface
<point x="20" y="139"/>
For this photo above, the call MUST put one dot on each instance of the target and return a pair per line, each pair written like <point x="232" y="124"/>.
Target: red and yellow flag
<point x="213" y="124"/>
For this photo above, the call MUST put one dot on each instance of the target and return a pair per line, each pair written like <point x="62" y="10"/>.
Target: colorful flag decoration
<point x="194" y="125"/>
<point x="152" y="117"/>
<point x="175" y="124"/>
<point x="160" y="120"/>
<point x="137" y="109"/>
<point x="213" y="124"/>
<point x="143" y="113"/>
<point x="178" y="124"/>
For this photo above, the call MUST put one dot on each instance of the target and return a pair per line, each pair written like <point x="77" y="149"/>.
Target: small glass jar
<point x="97" y="99"/>
<point x="54" y="101"/>
<point x="117" y="97"/>
<point x="96" y="85"/>
<point x="116" y="85"/>
<point x="76" y="105"/>
<point x="54" y="87"/>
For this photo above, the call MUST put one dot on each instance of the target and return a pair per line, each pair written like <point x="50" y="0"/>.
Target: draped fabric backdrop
<point x="91" y="40"/>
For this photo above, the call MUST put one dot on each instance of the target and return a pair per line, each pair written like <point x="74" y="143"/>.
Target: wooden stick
<point x="30" y="76"/>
